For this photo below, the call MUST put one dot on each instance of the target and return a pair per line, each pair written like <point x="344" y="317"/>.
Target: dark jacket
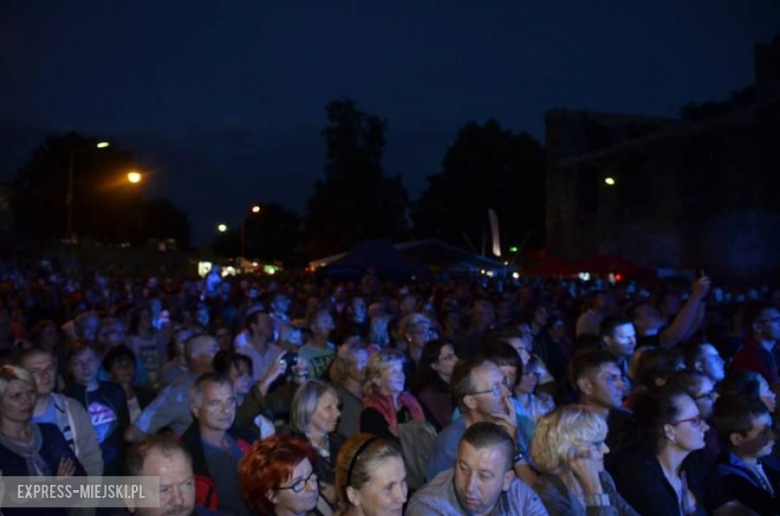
<point x="436" y="398"/>
<point x="113" y="445"/>
<point x="206" y="493"/>
<point x="745" y="487"/>
<point x="560" y="501"/>
<point x="53" y="449"/>
<point x="324" y="468"/>
<point x="642" y="483"/>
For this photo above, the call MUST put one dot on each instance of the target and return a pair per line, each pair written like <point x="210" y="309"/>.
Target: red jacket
<point x="205" y="491"/>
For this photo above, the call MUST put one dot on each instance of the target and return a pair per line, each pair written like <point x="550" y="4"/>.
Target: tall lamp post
<point x="254" y="210"/>
<point x="69" y="194"/>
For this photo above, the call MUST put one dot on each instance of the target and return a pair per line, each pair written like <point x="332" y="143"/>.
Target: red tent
<point x="551" y="267"/>
<point x="606" y="264"/>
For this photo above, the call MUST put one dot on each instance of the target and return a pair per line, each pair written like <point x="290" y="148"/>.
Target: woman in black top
<point x="663" y="475"/>
<point x="433" y="380"/>
<point x="314" y="416"/>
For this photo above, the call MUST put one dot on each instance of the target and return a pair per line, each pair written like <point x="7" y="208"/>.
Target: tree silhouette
<point x="162" y="219"/>
<point x="105" y="206"/>
<point x="486" y="167"/>
<point x="355" y="201"/>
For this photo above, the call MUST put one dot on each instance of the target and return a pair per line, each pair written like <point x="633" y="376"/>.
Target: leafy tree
<point x="162" y="219"/>
<point x="105" y="206"/>
<point x="487" y="167"/>
<point x="355" y="201"/>
<point x="275" y="234"/>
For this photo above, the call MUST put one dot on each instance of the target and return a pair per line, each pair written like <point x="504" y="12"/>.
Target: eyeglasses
<point x="497" y="390"/>
<point x="708" y="395"/>
<point x="448" y="358"/>
<point x="300" y="485"/>
<point x="695" y="421"/>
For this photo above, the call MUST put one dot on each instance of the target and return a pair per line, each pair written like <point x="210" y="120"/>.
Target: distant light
<point x="271" y="269"/>
<point x="513" y="249"/>
<point x="228" y="271"/>
<point x="610" y="181"/>
<point x="134" y="177"/>
<point x="506" y="263"/>
<point x="490" y="274"/>
<point x="204" y="268"/>
<point x="222" y="228"/>
<point x="103" y="145"/>
<point x="618" y="277"/>
<point x="255" y="209"/>
<point x="584" y="276"/>
<point x="516" y="275"/>
<point x="255" y="264"/>
<point x="482" y="271"/>
<point x="323" y="264"/>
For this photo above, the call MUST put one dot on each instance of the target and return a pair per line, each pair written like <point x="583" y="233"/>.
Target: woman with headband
<point x="370" y="477"/>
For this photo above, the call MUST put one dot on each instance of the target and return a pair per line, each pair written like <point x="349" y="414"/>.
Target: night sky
<point x="224" y="100"/>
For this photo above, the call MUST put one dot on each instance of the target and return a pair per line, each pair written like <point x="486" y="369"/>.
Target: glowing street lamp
<point x="103" y="145"/>
<point x="254" y="210"/>
<point x="610" y="181"/>
<point x="222" y="228"/>
<point x="134" y="177"/>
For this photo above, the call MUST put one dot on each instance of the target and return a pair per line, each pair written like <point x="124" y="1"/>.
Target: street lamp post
<point x="69" y="194"/>
<point x="254" y="210"/>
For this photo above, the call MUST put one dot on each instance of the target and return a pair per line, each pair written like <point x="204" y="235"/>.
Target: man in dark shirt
<point x="215" y="445"/>
<point x="760" y="351"/>
<point x="599" y="383"/>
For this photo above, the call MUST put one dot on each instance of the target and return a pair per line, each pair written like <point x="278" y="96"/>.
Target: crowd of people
<point x="471" y="396"/>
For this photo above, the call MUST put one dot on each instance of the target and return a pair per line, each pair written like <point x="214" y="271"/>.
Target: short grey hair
<point x="196" y="391"/>
<point x="304" y="403"/>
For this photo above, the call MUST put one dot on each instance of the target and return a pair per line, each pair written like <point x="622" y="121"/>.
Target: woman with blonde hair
<point x="30" y="449"/>
<point x="370" y="477"/>
<point x="568" y="448"/>
<point x="385" y="402"/>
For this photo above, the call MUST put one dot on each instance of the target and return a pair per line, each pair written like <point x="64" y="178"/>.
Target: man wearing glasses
<point x="480" y="390"/>
<point x="760" y="352"/>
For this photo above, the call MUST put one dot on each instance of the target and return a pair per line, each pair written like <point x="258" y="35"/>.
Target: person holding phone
<point x="568" y="448"/>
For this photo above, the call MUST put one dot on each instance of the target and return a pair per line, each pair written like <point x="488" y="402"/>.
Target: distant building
<point x="685" y="194"/>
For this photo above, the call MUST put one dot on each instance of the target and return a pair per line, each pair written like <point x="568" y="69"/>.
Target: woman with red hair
<point x="277" y="477"/>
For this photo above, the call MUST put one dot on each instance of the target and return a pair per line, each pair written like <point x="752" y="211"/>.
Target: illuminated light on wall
<point x="204" y="268"/>
<point x="271" y="269"/>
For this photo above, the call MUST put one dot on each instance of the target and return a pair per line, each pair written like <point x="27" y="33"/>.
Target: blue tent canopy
<point x="380" y="255"/>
